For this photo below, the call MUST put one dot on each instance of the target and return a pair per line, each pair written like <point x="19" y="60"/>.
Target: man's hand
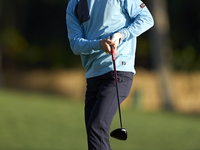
<point x="106" y="44"/>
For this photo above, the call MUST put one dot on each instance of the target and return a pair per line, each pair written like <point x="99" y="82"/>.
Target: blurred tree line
<point x="33" y="34"/>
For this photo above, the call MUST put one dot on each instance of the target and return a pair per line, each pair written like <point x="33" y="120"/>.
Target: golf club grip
<point x="112" y="52"/>
<point x="113" y="59"/>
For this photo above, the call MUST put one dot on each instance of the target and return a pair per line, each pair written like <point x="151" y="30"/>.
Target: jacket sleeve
<point x="140" y="16"/>
<point x="78" y="43"/>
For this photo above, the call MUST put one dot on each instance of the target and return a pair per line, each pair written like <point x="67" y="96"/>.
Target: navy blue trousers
<point x="101" y="106"/>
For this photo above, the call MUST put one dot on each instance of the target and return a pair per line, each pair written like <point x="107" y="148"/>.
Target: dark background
<point x="33" y="34"/>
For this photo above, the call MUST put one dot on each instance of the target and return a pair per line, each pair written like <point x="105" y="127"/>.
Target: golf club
<point x="120" y="133"/>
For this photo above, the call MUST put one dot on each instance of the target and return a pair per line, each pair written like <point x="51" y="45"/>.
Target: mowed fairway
<point x="30" y="121"/>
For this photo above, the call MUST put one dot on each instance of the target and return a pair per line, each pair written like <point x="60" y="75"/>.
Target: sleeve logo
<point x="142" y="5"/>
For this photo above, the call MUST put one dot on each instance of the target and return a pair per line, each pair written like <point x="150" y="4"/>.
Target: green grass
<point x="30" y="121"/>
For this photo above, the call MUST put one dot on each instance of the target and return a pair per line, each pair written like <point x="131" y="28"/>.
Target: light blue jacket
<point x="131" y="17"/>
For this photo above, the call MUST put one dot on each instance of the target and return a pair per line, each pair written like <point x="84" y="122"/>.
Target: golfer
<point x="94" y="26"/>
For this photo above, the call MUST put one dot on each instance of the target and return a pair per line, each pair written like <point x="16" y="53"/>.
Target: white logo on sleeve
<point x="142" y="5"/>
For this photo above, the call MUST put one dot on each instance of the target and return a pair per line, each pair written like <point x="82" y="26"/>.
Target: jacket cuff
<point x="126" y="33"/>
<point x="96" y="45"/>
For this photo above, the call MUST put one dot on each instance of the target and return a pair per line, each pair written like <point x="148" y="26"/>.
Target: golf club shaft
<point x="115" y="71"/>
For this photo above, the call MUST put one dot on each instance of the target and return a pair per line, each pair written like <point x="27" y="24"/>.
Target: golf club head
<point x="120" y="134"/>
